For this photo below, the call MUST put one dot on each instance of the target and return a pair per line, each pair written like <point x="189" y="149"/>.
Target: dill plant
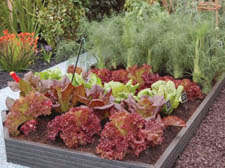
<point x="209" y="58"/>
<point x="177" y="45"/>
<point x="120" y="40"/>
<point x="104" y="39"/>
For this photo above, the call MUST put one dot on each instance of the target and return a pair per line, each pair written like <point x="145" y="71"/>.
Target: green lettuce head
<point x="91" y="80"/>
<point x="121" y="91"/>
<point x="168" y="90"/>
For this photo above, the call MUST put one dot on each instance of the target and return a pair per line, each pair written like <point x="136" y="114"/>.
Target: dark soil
<point x="206" y="149"/>
<point x="38" y="66"/>
<point x="149" y="156"/>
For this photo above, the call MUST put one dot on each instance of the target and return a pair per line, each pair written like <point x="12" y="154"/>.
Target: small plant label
<point x="220" y="43"/>
<point x="168" y="105"/>
<point x="184" y="97"/>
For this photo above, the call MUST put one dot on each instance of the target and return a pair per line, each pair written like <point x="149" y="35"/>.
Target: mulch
<point x="206" y="149"/>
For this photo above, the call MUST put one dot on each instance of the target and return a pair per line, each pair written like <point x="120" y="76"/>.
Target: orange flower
<point x="27" y="39"/>
<point x="5" y="32"/>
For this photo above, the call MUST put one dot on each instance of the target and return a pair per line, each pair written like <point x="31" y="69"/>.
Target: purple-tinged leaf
<point x="14" y="86"/>
<point x="146" y="106"/>
<point x="9" y="102"/>
<point x="95" y="92"/>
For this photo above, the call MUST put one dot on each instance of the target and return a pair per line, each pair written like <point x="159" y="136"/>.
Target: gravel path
<point x="207" y="146"/>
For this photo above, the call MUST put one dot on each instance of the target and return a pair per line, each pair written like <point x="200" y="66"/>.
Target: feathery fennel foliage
<point x="178" y="44"/>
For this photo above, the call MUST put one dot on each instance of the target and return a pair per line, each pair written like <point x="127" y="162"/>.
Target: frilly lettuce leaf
<point x="145" y="92"/>
<point x="91" y="80"/>
<point x="55" y="74"/>
<point x="147" y="107"/>
<point x="121" y="91"/>
<point x="27" y="108"/>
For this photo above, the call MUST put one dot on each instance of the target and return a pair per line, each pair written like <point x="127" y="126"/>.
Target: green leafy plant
<point x="208" y="56"/>
<point x="121" y="91"/>
<point x="166" y="89"/>
<point x="132" y="41"/>
<point x="55" y="74"/>
<point x="88" y="82"/>
<point x="100" y="34"/>
<point x="46" y="53"/>
<point x="59" y="20"/>
<point x="27" y="108"/>
<point x="31" y="82"/>
<point x="22" y="17"/>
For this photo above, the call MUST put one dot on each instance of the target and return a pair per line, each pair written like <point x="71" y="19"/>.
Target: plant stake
<point x="78" y="56"/>
<point x="14" y="76"/>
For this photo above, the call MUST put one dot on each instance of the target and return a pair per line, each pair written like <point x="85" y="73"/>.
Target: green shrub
<point x="60" y="19"/>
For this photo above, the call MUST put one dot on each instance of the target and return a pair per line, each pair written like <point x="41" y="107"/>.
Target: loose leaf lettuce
<point x="120" y="76"/>
<point x="130" y="133"/>
<point x="145" y="106"/>
<point x="169" y="91"/>
<point x="145" y="92"/>
<point x="55" y="74"/>
<point x="64" y="98"/>
<point x="121" y="91"/>
<point x="27" y="108"/>
<point x="192" y="89"/>
<point x="29" y="126"/>
<point x="103" y="74"/>
<point x="136" y="73"/>
<point x="88" y="82"/>
<point x="99" y="101"/>
<point x="76" y="127"/>
<point x="142" y="75"/>
<point x="121" y="136"/>
<point x="71" y="69"/>
<point x="30" y="82"/>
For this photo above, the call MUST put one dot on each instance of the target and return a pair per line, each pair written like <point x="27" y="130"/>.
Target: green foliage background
<point x="184" y="43"/>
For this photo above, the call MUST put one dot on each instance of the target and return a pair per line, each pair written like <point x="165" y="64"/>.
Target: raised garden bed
<point x="35" y="154"/>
